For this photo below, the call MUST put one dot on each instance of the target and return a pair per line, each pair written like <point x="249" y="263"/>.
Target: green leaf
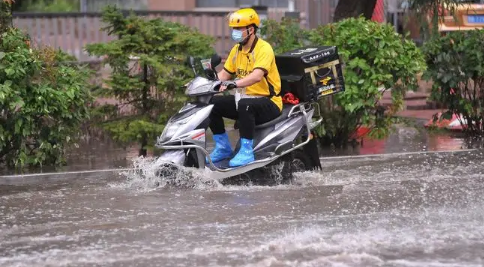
<point x="70" y="94"/>
<point x="9" y="72"/>
<point x="7" y="84"/>
<point x="2" y="55"/>
<point x="18" y="126"/>
<point x="446" y="116"/>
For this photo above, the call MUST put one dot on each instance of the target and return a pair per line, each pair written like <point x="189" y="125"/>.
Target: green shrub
<point x="456" y="67"/>
<point x="375" y="58"/>
<point x="149" y="88"/>
<point x="42" y="102"/>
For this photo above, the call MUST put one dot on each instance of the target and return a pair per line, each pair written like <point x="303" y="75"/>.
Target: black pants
<point x="251" y="112"/>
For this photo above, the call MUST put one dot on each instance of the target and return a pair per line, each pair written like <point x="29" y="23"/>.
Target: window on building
<point x="238" y="3"/>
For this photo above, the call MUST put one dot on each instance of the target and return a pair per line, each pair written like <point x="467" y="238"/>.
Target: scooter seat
<point x="285" y="112"/>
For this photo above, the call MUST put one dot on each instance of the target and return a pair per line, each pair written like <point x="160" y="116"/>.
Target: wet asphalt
<point x="413" y="209"/>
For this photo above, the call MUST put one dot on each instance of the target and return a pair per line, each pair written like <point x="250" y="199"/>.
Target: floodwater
<point x="391" y="210"/>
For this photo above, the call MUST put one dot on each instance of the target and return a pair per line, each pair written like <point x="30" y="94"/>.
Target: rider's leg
<point x="224" y="106"/>
<point x="252" y="111"/>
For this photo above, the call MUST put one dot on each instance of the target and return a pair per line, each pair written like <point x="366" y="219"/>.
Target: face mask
<point x="237" y="36"/>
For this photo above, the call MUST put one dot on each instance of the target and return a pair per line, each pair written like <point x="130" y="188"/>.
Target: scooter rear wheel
<point x="300" y="162"/>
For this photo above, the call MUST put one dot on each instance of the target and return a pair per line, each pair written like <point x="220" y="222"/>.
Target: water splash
<point x="148" y="174"/>
<point x="152" y="174"/>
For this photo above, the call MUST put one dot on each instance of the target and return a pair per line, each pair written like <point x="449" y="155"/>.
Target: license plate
<point x="475" y="19"/>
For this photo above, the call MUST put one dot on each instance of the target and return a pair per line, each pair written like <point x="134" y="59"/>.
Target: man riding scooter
<point x="257" y="99"/>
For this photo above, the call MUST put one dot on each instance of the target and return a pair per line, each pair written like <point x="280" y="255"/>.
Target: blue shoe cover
<point x="245" y="154"/>
<point x="222" y="150"/>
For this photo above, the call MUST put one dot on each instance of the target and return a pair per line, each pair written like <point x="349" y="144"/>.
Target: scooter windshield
<point x="201" y="86"/>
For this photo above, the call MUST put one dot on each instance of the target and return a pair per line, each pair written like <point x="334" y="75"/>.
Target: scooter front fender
<point x="176" y="156"/>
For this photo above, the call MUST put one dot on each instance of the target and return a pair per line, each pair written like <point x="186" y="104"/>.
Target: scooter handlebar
<point x="229" y="84"/>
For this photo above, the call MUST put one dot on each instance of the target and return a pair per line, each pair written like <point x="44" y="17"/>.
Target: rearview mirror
<point x="215" y="61"/>
<point x="191" y="62"/>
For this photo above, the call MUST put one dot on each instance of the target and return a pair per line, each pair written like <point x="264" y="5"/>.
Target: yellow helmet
<point x="244" y="17"/>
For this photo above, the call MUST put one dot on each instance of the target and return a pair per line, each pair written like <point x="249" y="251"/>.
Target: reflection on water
<point x="406" y="139"/>
<point x="90" y="155"/>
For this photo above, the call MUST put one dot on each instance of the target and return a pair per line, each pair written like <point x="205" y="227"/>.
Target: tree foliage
<point x="49" y="5"/>
<point x="147" y="74"/>
<point x="42" y="102"/>
<point x="5" y="15"/>
<point x="456" y="67"/>
<point x="285" y="35"/>
<point x="375" y="58"/>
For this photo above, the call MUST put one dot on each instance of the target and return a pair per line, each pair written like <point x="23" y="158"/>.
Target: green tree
<point x="43" y="101"/>
<point x="456" y="67"/>
<point x="147" y="76"/>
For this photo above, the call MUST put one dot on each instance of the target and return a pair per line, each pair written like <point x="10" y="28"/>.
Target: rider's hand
<point x="227" y="85"/>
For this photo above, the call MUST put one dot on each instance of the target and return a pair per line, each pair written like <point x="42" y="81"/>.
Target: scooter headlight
<point x="171" y="128"/>
<point x="168" y="132"/>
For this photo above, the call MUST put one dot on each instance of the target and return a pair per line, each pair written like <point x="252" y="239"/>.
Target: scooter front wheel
<point x="191" y="159"/>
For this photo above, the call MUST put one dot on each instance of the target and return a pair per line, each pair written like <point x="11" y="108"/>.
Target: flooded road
<point x="406" y="210"/>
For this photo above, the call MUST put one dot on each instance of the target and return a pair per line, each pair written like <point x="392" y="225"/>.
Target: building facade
<point x="311" y="12"/>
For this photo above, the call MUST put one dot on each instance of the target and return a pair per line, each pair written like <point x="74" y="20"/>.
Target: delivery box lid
<point x="293" y="63"/>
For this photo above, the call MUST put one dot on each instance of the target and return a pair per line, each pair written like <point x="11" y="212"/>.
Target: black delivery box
<point x="311" y="72"/>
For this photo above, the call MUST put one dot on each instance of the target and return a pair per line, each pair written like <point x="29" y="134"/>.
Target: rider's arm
<point x="255" y="77"/>
<point x="223" y="75"/>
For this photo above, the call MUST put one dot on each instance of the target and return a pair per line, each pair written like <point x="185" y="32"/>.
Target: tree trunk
<point x="352" y="8"/>
<point x="144" y="138"/>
